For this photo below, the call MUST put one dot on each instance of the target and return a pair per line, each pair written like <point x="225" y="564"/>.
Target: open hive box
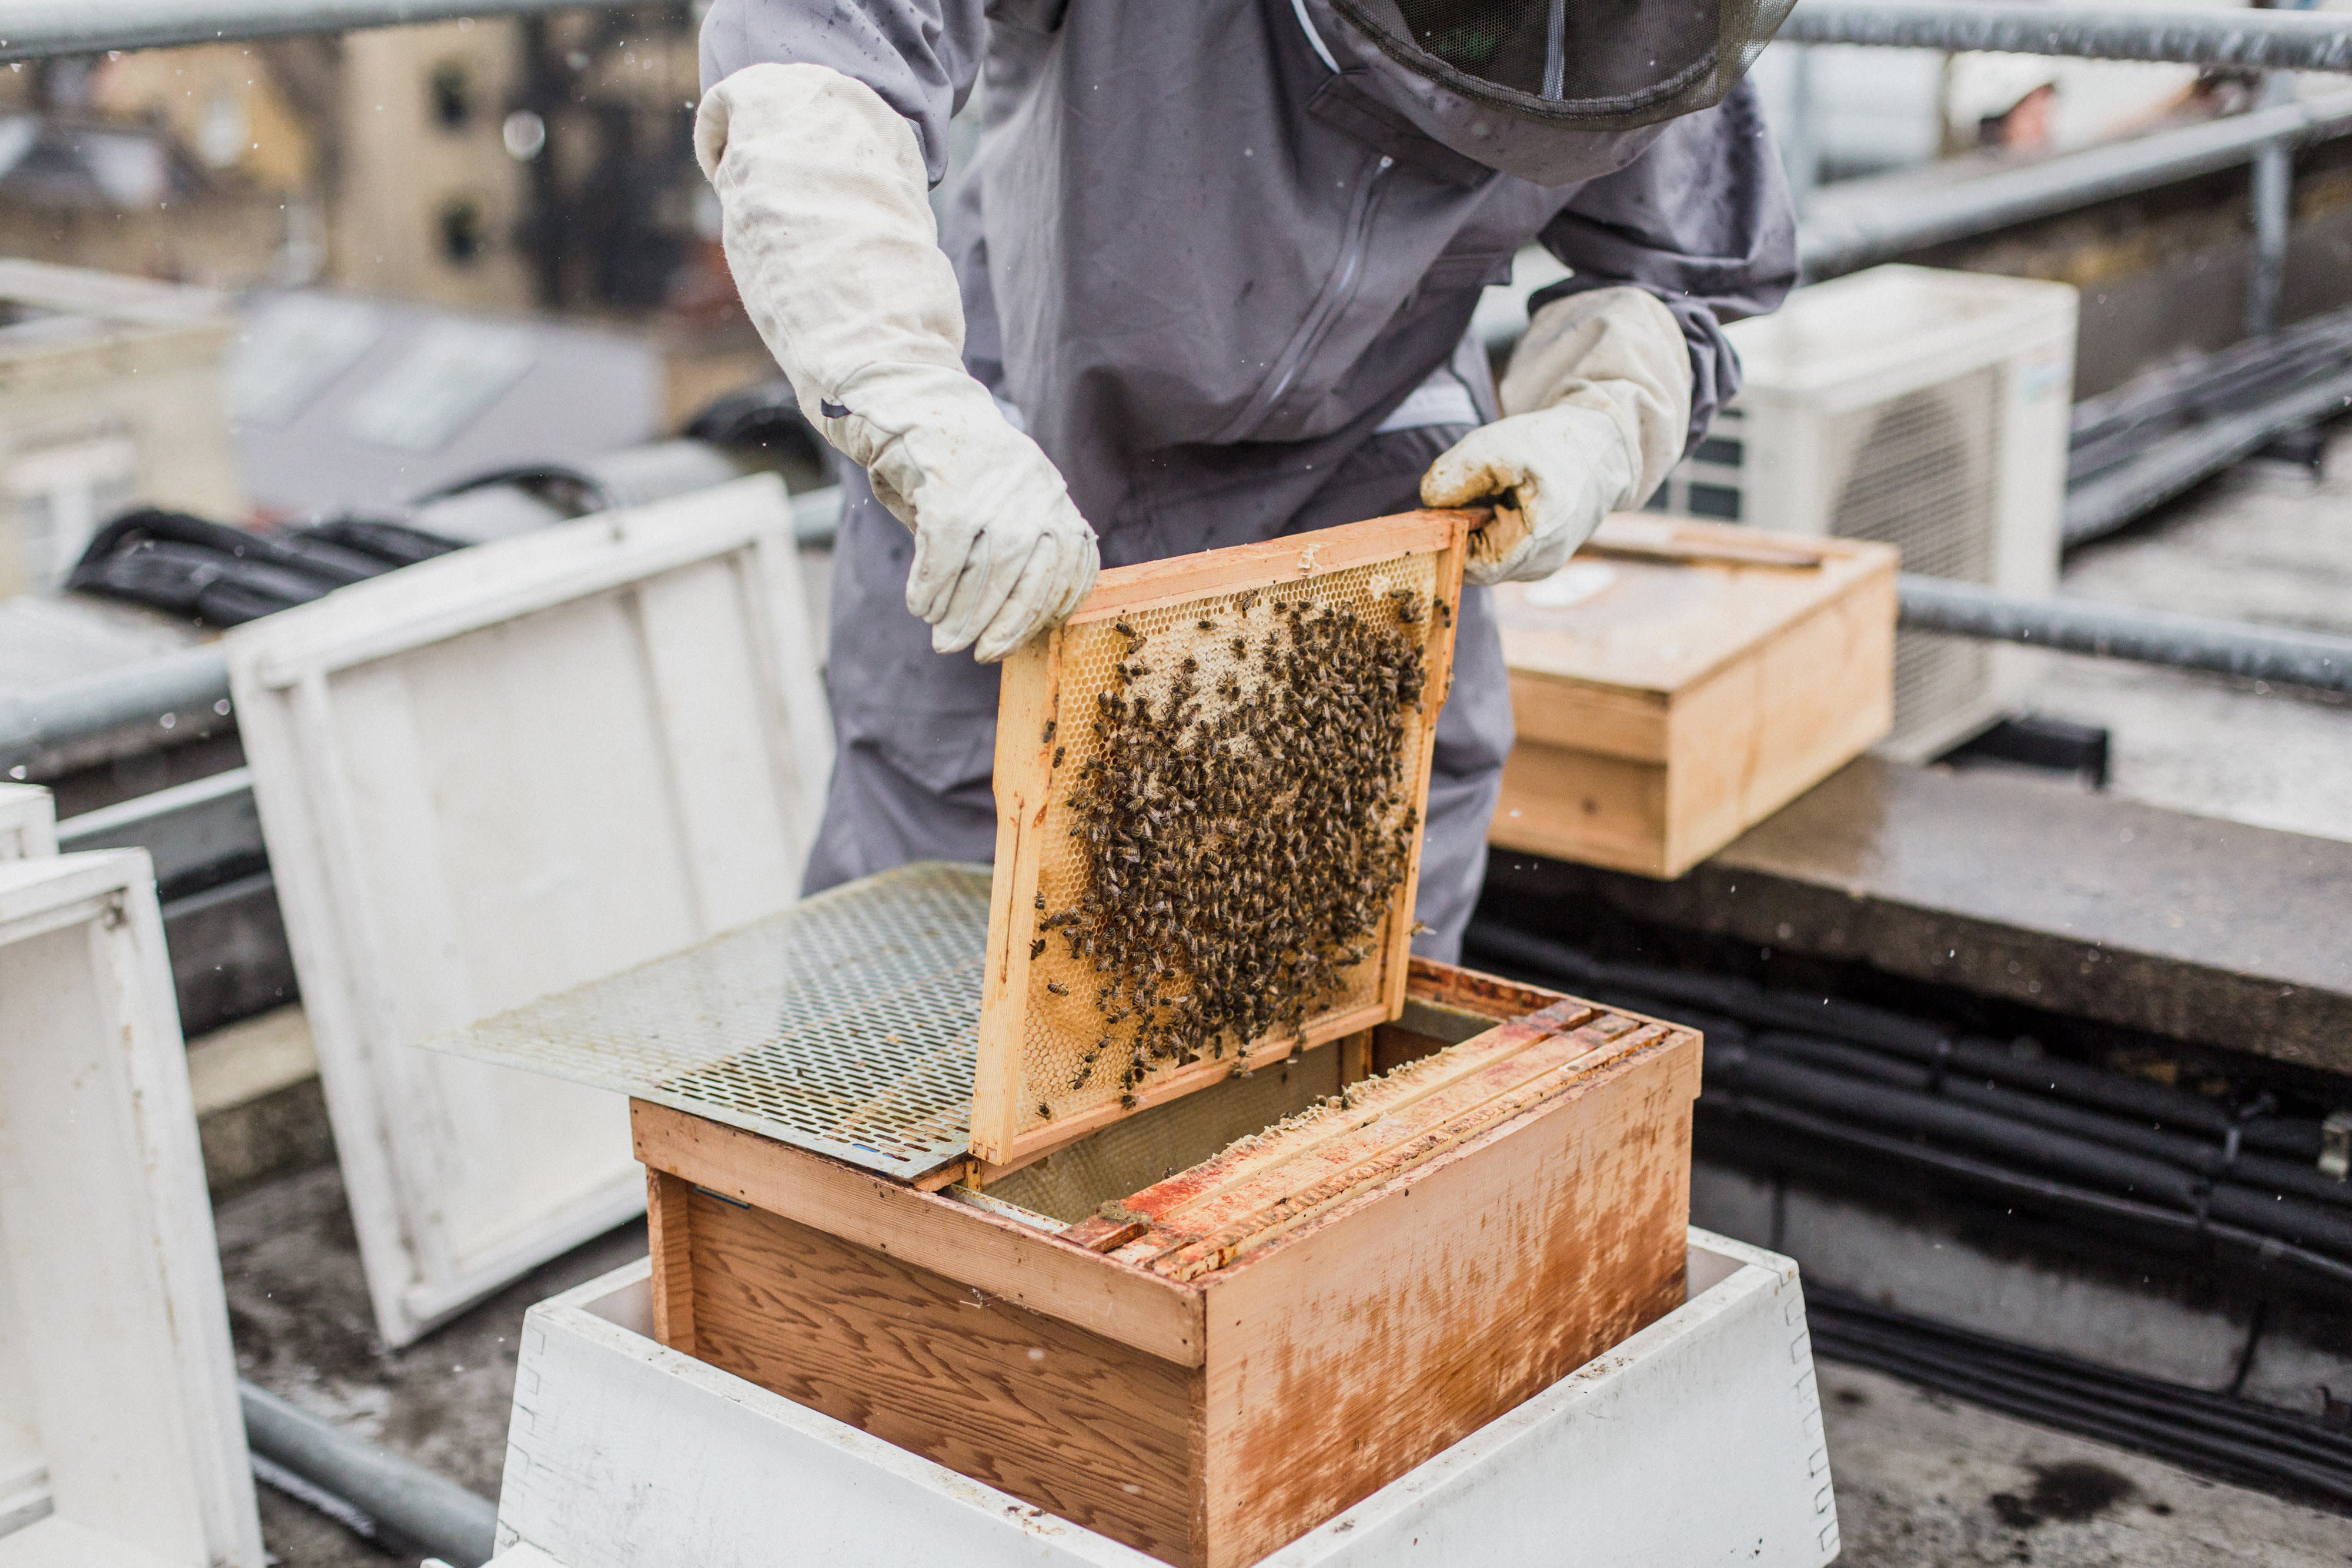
<point x="1206" y="1306"/>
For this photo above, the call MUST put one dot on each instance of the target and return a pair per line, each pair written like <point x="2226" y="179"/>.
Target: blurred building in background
<point x="495" y="165"/>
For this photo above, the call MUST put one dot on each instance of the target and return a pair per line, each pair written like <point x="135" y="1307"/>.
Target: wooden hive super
<point x="1203" y="1308"/>
<point x="1208" y="1365"/>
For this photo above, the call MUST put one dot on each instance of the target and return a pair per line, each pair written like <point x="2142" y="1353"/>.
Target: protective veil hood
<point x="1549" y="92"/>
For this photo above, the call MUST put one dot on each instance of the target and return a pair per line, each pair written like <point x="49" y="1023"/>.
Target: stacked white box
<point x="120" y="1442"/>
<point x="500" y="774"/>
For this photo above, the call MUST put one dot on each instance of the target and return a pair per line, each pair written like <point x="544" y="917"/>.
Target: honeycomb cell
<point x="1256" y="931"/>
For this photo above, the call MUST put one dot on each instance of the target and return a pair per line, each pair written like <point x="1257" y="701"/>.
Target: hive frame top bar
<point x="844" y="1025"/>
<point x="1038" y="1086"/>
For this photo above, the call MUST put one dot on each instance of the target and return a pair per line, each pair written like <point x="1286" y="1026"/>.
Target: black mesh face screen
<point x="1595" y="63"/>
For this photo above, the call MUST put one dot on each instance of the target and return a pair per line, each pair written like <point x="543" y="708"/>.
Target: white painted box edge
<point x="134" y="1381"/>
<point x="625" y="1454"/>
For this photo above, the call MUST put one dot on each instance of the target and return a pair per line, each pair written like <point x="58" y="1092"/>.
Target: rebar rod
<point x="2257" y="40"/>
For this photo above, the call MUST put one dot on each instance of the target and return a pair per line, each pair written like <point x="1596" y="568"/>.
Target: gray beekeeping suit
<point x="1219" y="258"/>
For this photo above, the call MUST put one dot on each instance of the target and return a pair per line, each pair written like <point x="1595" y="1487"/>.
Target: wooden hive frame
<point x="1047" y="698"/>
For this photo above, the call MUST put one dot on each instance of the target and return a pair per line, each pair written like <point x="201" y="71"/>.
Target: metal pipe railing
<point x="2256" y="40"/>
<point x="2312" y="659"/>
<point x="32" y="28"/>
<point x="421" y="1507"/>
<point x="2263" y="40"/>
<point x="35" y="725"/>
<point x="1833" y="241"/>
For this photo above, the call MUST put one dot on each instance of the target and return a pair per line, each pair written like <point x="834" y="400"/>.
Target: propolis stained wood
<point x="1243" y="736"/>
<point x="1679" y="682"/>
<point x="1212" y="1366"/>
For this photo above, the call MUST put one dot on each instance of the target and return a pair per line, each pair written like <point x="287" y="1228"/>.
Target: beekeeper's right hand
<point x="831" y="239"/>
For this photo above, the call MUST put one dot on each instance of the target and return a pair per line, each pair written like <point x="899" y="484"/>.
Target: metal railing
<point x="2247" y="39"/>
<point x="1834" y="242"/>
<point x="2312" y="659"/>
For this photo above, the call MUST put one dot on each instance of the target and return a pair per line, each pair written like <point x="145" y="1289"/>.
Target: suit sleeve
<point x="920" y="56"/>
<point x="1702" y="220"/>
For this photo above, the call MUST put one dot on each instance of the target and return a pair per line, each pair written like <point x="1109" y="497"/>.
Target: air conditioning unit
<point x="1922" y="408"/>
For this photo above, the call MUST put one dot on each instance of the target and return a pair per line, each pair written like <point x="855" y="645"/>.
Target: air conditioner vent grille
<point x="1921" y="475"/>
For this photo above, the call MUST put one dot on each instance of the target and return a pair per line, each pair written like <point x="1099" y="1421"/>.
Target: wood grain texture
<point x="1358" y="1346"/>
<point x="1016" y="1262"/>
<point x="1694" y="693"/>
<point x="1075" y="1423"/>
<point x="1044" y="691"/>
<point x="669" y="1231"/>
<point x="1253" y="1161"/>
<point x="1294" y="558"/>
<point x="1259" y="1212"/>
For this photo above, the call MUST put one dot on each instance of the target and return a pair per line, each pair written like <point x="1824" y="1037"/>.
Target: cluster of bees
<point x="1242" y="833"/>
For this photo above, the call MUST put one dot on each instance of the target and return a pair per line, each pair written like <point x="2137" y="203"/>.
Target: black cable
<point x="2091" y="1167"/>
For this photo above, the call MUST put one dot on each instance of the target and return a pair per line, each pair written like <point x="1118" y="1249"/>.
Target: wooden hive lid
<point x="1089" y="717"/>
<point x="1656" y="605"/>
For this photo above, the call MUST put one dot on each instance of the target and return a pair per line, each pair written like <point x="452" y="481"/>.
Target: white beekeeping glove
<point x="1596" y="408"/>
<point x="835" y="253"/>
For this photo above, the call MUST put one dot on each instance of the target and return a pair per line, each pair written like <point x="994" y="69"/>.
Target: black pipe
<point x="2090" y="1143"/>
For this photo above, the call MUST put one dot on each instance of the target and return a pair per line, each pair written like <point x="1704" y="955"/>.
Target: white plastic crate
<point x="500" y="774"/>
<point x="120" y="1442"/>
<point x="28" y="821"/>
<point x="1696" y="1440"/>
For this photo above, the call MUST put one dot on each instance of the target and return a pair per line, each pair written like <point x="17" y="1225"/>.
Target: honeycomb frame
<point x="1047" y="701"/>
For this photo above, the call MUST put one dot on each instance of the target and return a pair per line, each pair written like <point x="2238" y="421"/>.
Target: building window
<point x="453" y="96"/>
<point x="463" y="231"/>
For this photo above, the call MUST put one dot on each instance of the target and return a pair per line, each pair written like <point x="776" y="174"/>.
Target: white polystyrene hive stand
<point x="1696" y="1440"/>
<point x="120" y="1442"/>
<point x="500" y="774"/>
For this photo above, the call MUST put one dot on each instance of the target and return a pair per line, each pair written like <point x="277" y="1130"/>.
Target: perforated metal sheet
<point x="846" y="1024"/>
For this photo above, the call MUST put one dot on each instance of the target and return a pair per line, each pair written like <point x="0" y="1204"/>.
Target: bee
<point x="1048" y="738"/>
<point x="1207" y="625"/>
<point x="1036" y="949"/>
<point x="1128" y="1101"/>
<point x="1057" y="754"/>
<point x="1058" y="988"/>
<point x="1044" y="1112"/>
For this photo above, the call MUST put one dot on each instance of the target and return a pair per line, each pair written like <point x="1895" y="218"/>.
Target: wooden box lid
<point x="1653" y="605"/>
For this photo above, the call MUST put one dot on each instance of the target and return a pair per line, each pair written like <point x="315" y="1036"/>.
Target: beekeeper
<point x="1209" y="281"/>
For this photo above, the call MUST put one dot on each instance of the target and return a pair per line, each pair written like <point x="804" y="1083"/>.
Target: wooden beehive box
<point x="1678" y="682"/>
<point x="1209" y="1365"/>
